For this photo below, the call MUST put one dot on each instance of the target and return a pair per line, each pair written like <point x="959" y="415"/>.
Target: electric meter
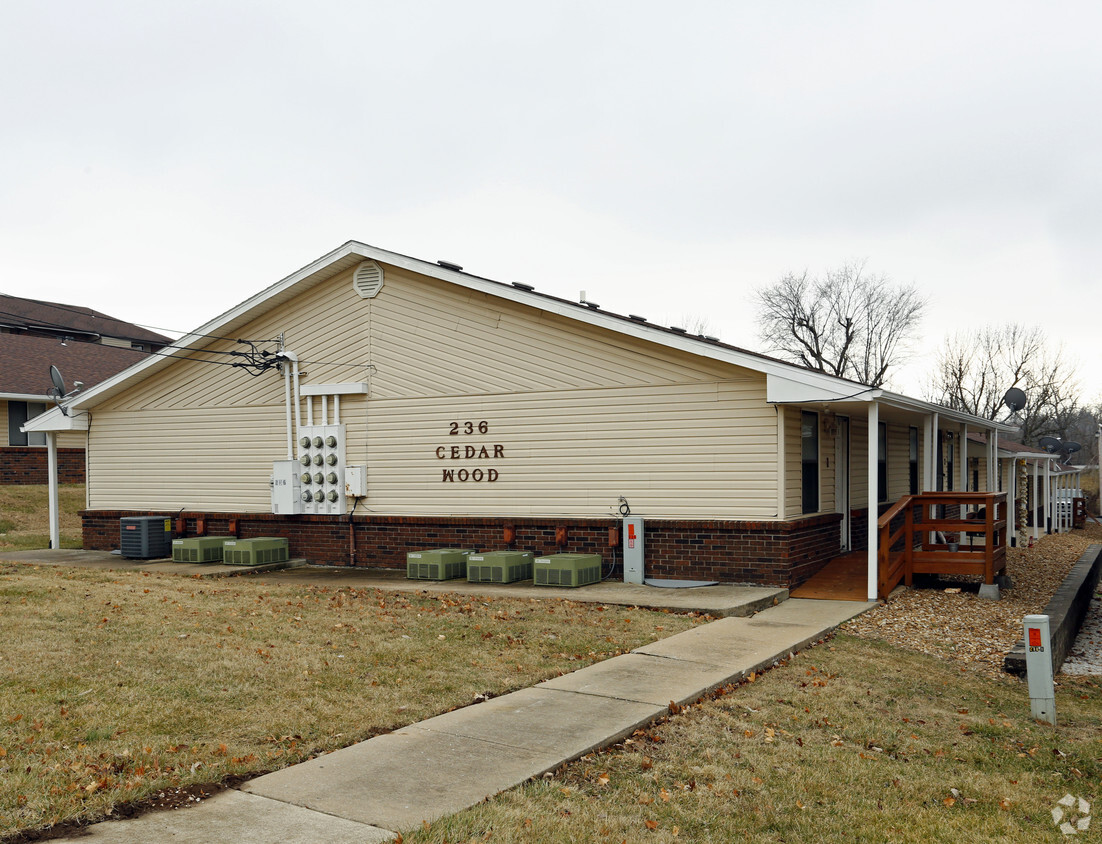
<point x="307" y="497"/>
<point x="322" y="457"/>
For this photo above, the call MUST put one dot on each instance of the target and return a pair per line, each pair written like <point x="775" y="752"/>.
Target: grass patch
<point x="25" y="524"/>
<point x="117" y="685"/>
<point x="850" y="741"/>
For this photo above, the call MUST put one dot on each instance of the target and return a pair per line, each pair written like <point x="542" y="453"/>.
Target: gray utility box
<point x="255" y="552"/>
<point x="198" y="549"/>
<point x="437" y="564"/>
<point x="499" y="567"/>
<point x="145" y="537"/>
<point x="567" y="570"/>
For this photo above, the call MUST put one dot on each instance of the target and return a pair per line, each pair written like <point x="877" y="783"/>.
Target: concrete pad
<point x="725" y="599"/>
<point x="106" y="561"/>
<point x="646" y="679"/>
<point x="231" y="816"/>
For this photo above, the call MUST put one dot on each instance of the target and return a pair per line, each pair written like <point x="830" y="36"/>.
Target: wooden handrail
<point x="902" y="563"/>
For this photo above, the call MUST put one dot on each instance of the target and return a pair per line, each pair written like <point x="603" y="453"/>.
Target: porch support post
<point x="51" y="478"/>
<point x="929" y="425"/>
<point x="874" y="497"/>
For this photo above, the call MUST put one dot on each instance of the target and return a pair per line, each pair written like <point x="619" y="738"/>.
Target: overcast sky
<point x="162" y="162"/>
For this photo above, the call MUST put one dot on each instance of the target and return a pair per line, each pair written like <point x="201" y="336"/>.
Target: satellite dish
<point x="1050" y="444"/>
<point x="1072" y="447"/>
<point x="1014" y="399"/>
<point x="59" y="382"/>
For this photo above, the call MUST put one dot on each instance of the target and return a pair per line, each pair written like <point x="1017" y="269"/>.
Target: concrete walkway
<point x="391" y="783"/>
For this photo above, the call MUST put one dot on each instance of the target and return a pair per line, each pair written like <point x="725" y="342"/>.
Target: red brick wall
<point x="769" y="553"/>
<point x="27" y="465"/>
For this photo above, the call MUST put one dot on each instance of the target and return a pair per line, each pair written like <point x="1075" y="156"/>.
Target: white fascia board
<point x="788" y="390"/>
<point x="350" y="389"/>
<point x="55" y="420"/>
<point x="24" y="397"/>
<point x="945" y="413"/>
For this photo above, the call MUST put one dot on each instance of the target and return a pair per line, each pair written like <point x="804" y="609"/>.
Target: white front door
<point x="841" y="479"/>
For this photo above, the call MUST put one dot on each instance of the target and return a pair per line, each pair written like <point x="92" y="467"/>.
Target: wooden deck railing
<point x="911" y="540"/>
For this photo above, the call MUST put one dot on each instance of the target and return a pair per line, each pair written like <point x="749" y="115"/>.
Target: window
<point x="882" y="460"/>
<point x="913" y="455"/>
<point x="809" y="457"/>
<point x="18" y="414"/>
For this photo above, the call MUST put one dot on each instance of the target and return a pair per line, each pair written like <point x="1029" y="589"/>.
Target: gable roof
<point x="786" y="382"/>
<point x="34" y="314"/>
<point x="25" y="363"/>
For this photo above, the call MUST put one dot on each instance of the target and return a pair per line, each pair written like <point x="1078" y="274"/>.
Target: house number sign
<point x="469" y="452"/>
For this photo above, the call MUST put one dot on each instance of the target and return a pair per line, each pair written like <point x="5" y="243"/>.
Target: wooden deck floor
<point x="844" y="578"/>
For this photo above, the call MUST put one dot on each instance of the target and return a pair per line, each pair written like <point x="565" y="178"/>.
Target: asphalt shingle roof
<point x="23" y="313"/>
<point x="25" y="362"/>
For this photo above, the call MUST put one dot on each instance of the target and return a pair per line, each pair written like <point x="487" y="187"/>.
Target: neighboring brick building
<point x="85" y="345"/>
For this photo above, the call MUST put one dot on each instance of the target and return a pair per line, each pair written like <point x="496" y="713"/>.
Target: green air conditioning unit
<point x="437" y="564"/>
<point x="255" y="552"/>
<point x="198" y="549"/>
<point x="499" y="567"/>
<point x="567" y="570"/>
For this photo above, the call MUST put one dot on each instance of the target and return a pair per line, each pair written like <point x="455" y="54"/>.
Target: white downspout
<point x="287" y="396"/>
<point x="874" y="497"/>
<point x="1012" y="508"/>
<point x="51" y="473"/>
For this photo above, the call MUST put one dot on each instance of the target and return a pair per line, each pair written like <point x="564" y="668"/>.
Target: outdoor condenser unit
<point x="255" y="552"/>
<point x="567" y="570"/>
<point x="437" y="564"/>
<point x="145" y="537"/>
<point x="499" y="567"/>
<point x="198" y="549"/>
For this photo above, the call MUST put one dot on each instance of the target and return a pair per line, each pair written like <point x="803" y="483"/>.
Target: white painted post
<point x="781" y="457"/>
<point x="873" y="497"/>
<point x="51" y="480"/>
<point x="1038" y="667"/>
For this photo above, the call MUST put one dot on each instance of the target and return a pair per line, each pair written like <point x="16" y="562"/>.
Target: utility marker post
<point x="1038" y="668"/>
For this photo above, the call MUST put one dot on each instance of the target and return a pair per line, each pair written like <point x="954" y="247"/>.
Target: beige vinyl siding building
<point x="482" y="410"/>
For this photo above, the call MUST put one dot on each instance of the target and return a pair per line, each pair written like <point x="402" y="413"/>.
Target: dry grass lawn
<point x="853" y="740"/>
<point x="116" y="685"/>
<point x="24" y="516"/>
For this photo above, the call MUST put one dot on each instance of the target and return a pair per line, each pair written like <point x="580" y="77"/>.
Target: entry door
<point x="841" y="479"/>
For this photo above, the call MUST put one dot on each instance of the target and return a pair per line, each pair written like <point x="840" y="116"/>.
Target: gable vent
<point x="368" y="279"/>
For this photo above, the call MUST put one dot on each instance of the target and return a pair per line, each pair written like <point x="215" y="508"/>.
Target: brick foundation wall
<point x="27" y="465"/>
<point x="780" y="554"/>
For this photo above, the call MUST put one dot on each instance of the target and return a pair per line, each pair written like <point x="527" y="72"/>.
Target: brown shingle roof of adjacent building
<point x="28" y="314"/>
<point x="25" y="362"/>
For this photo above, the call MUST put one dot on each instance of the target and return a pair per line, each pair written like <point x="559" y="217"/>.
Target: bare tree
<point x="973" y="371"/>
<point x="848" y="322"/>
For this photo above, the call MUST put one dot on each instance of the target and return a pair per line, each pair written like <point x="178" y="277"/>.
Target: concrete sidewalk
<point x="391" y="783"/>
